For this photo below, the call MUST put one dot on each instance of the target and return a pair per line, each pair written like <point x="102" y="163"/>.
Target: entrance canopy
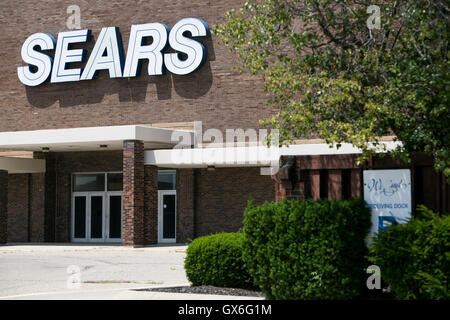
<point x="80" y="139"/>
<point x="90" y="138"/>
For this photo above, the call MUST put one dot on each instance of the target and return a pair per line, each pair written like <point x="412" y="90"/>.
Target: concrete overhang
<point x="22" y="165"/>
<point x="90" y="138"/>
<point x="249" y="156"/>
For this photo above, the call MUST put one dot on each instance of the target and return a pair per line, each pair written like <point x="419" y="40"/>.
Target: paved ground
<point x="106" y="272"/>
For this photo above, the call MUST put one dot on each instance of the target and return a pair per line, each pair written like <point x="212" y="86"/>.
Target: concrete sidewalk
<point x="106" y="272"/>
<point x="121" y="294"/>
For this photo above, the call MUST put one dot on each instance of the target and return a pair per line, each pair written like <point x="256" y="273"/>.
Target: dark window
<point x="115" y="213"/>
<point x="346" y="184"/>
<point x="115" y="181"/>
<point x="166" y="180"/>
<point x="96" y="216"/>
<point x="89" y="182"/>
<point x="80" y="217"/>
<point x="323" y="184"/>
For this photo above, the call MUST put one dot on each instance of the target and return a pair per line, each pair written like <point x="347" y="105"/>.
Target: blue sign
<point x="388" y="194"/>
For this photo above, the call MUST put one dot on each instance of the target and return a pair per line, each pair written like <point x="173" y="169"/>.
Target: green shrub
<point x="217" y="260"/>
<point x="307" y="249"/>
<point x="414" y="258"/>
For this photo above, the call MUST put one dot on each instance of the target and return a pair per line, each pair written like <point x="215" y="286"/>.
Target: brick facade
<point x="133" y="193"/>
<point x="185" y="204"/>
<point x="36" y="189"/>
<point x="221" y="197"/>
<point x="339" y="177"/>
<point x="3" y="206"/>
<point x="150" y="204"/>
<point x="215" y="89"/>
<point x="18" y="205"/>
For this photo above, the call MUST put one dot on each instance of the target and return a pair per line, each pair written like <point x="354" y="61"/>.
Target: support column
<point x="355" y="181"/>
<point x="314" y="178"/>
<point x="3" y="206"/>
<point x="150" y="205"/>
<point x="133" y="193"/>
<point x="285" y="179"/>
<point x="334" y="184"/>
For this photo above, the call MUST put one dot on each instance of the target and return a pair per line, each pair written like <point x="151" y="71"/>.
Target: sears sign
<point x="107" y="53"/>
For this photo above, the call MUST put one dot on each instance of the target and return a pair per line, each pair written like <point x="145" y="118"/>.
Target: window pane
<point x="166" y="180"/>
<point x="96" y="216"/>
<point x="115" y="181"/>
<point x="80" y="217"/>
<point x="89" y="182"/>
<point x="169" y="216"/>
<point x="115" y="214"/>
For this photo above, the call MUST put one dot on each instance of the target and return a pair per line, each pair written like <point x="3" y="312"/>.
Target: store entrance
<point x="97" y="215"/>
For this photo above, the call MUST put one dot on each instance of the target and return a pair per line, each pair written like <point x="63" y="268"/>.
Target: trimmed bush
<point x="216" y="260"/>
<point x="414" y="258"/>
<point x="307" y="249"/>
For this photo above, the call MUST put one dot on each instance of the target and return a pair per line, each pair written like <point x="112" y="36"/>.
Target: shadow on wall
<point x="69" y="94"/>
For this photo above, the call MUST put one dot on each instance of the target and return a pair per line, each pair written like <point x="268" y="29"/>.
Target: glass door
<point x="96" y="217"/>
<point x="97" y="207"/>
<point x="167" y="209"/>
<point x="114" y="217"/>
<point x="80" y="209"/>
<point x="88" y="212"/>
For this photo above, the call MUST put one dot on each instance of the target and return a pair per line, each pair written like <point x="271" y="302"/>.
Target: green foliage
<point x="331" y="77"/>
<point x="216" y="260"/>
<point x="307" y="249"/>
<point x="414" y="258"/>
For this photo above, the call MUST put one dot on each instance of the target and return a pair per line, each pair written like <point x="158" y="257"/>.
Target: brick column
<point x="355" y="182"/>
<point x="3" y="206"/>
<point x="286" y="181"/>
<point x="133" y="193"/>
<point x="150" y="205"/>
<point x="314" y="178"/>
<point x="334" y="184"/>
<point x="185" y="205"/>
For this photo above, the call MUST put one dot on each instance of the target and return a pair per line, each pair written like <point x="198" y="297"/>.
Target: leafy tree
<point x="335" y="74"/>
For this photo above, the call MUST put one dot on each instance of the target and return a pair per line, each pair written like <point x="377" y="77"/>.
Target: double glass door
<point x="97" y="216"/>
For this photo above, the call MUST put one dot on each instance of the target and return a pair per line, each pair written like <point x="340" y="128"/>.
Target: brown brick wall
<point x="185" y="205"/>
<point x="221" y="197"/>
<point x="211" y="91"/>
<point x="133" y="193"/>
<point x="3" y="206"/>
<point x="37" y="207"/>
<point x="18" y="203"/>
<point x="26" y="208"/>
<point x="151" y="204"/>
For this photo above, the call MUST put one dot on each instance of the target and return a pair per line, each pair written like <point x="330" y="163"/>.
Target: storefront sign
<point x="107" y="52"/>
<point x="388" y="194"/>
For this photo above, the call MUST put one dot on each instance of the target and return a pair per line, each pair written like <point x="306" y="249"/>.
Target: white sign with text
<point x="388" y="194"/>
